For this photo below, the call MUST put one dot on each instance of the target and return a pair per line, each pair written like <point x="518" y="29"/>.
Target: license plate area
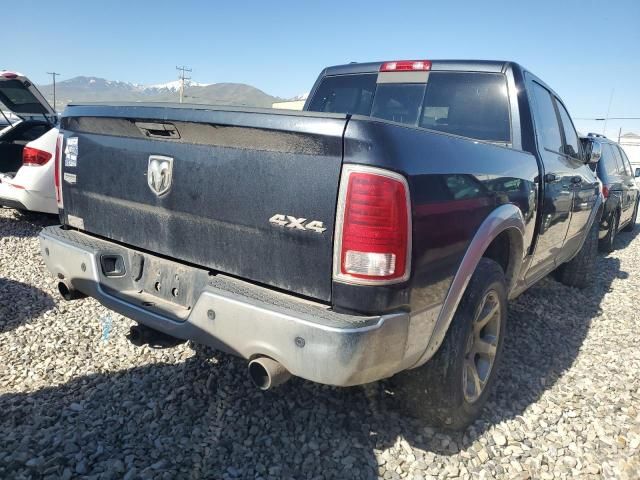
<point x="170" y="281"/>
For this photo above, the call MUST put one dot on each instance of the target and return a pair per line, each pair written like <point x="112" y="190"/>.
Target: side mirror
<point x="594" y="153"/>
<point x="637" y="174"/>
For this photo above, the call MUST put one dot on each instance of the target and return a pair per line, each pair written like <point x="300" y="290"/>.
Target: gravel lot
<point x="77" y="400"/>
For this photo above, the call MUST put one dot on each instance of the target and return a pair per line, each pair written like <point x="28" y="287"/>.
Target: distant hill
<point x="94" y="89"/>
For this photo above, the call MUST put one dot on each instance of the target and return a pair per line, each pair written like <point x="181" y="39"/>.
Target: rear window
<point x="472" y="105"/>
<point x="345" y="94"/>
<point x="469" y="104"/>
<point x="17" y="98"/>
<point x="398" y="102"/>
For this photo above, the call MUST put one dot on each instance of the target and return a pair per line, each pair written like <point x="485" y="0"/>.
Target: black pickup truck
<point x="379" y="233"/>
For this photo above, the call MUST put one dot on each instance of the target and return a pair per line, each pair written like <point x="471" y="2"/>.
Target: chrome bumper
<point x="309" y="339"/>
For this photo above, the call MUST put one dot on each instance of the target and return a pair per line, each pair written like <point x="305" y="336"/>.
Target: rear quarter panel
<point x="455" y="183"/>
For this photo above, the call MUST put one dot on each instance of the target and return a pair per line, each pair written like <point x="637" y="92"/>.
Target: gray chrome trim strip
<point x="504" y="218"/>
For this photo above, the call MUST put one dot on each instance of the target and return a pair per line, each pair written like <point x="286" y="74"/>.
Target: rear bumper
<point x="23" y="199"/>
<point x="309" y="339"/>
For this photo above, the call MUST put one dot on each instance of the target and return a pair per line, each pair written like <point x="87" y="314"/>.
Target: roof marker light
<point x="406" y="66"/>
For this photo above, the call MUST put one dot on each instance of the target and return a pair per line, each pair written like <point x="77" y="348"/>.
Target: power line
<point x="54" y="75"/>
<point x="182" y="77"/>
<point x="602" y="119"/>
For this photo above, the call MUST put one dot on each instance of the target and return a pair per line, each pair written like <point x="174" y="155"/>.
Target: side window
<point x="625" y="161"/>
<point x="620" y="165"/>
<point x="608" y="159"/>
<point x="572" y="143"/>
<point x="546" y="119"/>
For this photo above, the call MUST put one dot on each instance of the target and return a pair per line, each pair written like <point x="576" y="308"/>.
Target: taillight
<point x="33" y="156"/>
<point x="605" y="191"/>
<point x="57" y="171"/>
<point x="373" y="227"/>
<point x="406" y="66"/>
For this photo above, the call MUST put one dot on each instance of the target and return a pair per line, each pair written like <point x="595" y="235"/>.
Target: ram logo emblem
<point x="159" y="174"/>
<point x="288" y="221"/>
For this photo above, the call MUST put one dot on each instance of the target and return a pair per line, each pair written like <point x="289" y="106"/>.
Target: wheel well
<point x="499" y="250"/>
<point x="503" y="250"/>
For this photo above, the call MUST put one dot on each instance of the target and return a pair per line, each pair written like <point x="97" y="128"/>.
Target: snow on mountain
<point x="302" y="96"/>
<point x="174" y="85"/>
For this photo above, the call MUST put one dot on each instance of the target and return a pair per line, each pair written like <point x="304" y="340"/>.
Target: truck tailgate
<point x="226" y="173"/>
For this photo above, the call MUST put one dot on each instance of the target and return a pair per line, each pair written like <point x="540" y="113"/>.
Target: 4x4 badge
<point x="159" y="174"/>
<point x="289" y="221"/>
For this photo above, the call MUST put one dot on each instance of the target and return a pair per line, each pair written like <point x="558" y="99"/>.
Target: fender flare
<point x="505" y="218"/>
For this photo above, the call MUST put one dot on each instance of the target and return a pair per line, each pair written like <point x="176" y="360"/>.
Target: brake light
<point x="57" y="171"/>
<point x="9" y="75"/>
<point x="33" y="156"/>
<point x="373" y="227"/>
<point x="406" y="66"/>
<point x="605" y="191"/>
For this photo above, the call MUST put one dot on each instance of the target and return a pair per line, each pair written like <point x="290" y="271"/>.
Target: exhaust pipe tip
<point x="69" y="293"/>
<point x="266" y="373"/>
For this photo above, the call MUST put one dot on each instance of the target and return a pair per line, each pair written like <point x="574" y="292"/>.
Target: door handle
<point x="576" y="179"/>
<point x="551" y="177"/>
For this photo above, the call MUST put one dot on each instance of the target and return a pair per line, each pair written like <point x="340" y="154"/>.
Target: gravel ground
<point x="77" y="400"/>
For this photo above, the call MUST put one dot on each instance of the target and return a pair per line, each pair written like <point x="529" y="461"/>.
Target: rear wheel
<point x="634" y="218"/>
<point x="577" y="272"/>
<point x="450" y="390"/>
<point x="606" y="245"/>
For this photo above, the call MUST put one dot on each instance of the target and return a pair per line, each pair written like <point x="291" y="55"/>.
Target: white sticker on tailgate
<point x="75" y="222"/>
<point x="71" y="152"/>
<point x="70" y="178"/>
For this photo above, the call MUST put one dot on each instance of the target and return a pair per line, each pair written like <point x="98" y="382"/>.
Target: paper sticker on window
<point x="71" y="152"/>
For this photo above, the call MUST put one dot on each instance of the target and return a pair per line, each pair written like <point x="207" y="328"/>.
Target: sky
<point x="588" y="51"/>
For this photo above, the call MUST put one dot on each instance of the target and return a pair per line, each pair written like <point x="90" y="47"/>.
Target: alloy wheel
<point x="481" y="347"/>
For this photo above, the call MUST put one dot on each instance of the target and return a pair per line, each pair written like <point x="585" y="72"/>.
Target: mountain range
<point x="94" y="89"/>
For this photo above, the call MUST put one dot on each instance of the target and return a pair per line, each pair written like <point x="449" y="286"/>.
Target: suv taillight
<point x="373" y="227"/>
<point x="57" y="171"/>
<point x="33" y="156"/>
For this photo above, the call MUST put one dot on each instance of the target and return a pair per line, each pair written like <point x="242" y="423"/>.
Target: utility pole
<point x="182" y="77"/>
<point x="54" y="75"/>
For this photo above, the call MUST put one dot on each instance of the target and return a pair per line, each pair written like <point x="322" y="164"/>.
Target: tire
<point x="607" y="244"/>
<point x="442" y="392"/>
<point x="577" y="272"/>
<point x="634" y="218"/>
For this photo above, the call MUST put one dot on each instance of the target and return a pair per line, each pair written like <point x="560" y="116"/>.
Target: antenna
<point x="182" y="77"/>
<point x="54" y="75"/>
<point x="604" y="130"/>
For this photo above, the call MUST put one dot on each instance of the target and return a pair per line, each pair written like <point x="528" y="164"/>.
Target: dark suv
<point x="618" y="187"/>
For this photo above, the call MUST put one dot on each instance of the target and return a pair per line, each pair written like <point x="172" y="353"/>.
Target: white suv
<point x="27" y="146"/>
